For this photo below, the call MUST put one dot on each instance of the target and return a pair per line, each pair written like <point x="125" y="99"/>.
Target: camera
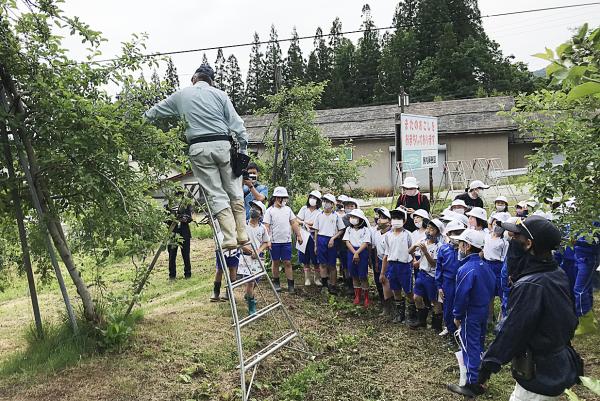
<point x="245" y="174"/>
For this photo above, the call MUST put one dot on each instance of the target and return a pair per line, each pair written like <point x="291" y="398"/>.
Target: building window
<point x="348" y="153"/>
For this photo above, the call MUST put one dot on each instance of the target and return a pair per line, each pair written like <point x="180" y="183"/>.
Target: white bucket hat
<point x="473" y="237"/>
<point x="260" y="205"/>
<point x="500" y="216"/>
<point x="454" y="225"/>
<point x="421" y="213"/>
<point x="342" y="198"/>
<point x="501" y="199"/>
<point x="280" y="192"/>
<point x="383" y="210"/>
<point x="438" y="224"/>
<point x="477" y="184"/>
<point x="479" y="213"/>
<point x="410" y="183"/>
<point x="330" y="198"/>
<point x="315" y="193"/>
<point x="351" y="200"/>
<point x="459" y="202"/>
<point x="399" y="210"/>
<point x="360" y="214"/>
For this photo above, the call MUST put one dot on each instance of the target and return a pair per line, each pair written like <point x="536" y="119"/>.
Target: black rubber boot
<point x="468" y="390"/>
<point x="400" y="311"/>
<point x="387" y="308"/>
<point x="291" y="288"/>
<point x="216" y="292"/>
<point x="421" y="320"/>
<point x="436" y="322"/>
<point x="277" y="284"/>
<point x="412" y="313"/>
<point x="349" y="286"/>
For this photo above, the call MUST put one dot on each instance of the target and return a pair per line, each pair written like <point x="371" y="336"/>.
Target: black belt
<point x="209" y="138"/>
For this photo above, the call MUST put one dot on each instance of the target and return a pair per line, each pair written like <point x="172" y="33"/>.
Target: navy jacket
<point x="475" y="286"/>
<point x="541" y="318"/>
<point x="447" y="264"/>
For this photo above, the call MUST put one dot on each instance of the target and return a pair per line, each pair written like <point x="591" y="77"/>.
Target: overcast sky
<point x="186" y="24"/>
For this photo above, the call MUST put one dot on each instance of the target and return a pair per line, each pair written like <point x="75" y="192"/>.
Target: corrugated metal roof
<point x="455" y="116"/>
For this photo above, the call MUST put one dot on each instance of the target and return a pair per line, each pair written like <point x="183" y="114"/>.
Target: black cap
<point x="543" y="234"/>
<point x="206" y="70"/>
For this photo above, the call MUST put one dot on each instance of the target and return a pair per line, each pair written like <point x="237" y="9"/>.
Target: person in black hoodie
<point x="411" y="200"/>
<point x="472" y="195"/>
<point x="537" y="331"/>
<point x="182" y="215"/>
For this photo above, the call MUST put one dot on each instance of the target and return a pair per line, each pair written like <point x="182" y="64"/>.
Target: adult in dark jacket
<point x="411" y="199"/>
<point x="537" y="331"/>
<point x="182" y="215"/>
<point x="472" y="195"/>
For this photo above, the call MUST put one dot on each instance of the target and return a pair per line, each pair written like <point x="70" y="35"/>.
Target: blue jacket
<point x="447" y="264"/>
<point x="541" y="318"/>
<point x="475" y="286"/>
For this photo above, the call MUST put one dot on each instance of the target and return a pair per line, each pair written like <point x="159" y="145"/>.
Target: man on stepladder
<point x="209" y="117"/>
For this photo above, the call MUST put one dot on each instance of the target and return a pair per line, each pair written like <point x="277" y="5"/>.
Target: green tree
<point x="220" y="70"/>
<point x="294" y="63"/>
<point x="273" y="63"/>
<point x="368" y="54"/>
<point x="311" y="157"/>
<point x="234" y="85"/>
<point x="79" y="141"/>
<point x="255" y="80"/>
<point x="565" y="124"/>
<point x="319" y="61"/>
<point x="171" y="77"/>
<point x="341" y="90"/>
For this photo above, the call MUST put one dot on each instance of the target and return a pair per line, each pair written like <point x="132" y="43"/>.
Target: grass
<point x="184" y="349"/>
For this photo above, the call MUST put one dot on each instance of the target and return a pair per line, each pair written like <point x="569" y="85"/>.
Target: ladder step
<point x="249" y="319"/>
<point x="268" y="350"/>
<point x="247" y="279"/>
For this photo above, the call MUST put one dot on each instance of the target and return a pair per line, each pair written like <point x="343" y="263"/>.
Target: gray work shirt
<point x="206" y="111"/>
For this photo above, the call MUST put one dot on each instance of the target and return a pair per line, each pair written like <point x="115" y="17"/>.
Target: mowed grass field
<point x="183" y="348"/>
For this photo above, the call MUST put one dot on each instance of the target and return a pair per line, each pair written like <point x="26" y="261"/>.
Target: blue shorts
<point x="359" y="270"/>
<point x="281" y="251"/>
<point x="310" y="257"/>
<point x="400" y="276"/>
<point x="230" y="261"/>
<point x="496" y="267"/>
<point x="425" y="286"/>
<point x="325" y="255"/>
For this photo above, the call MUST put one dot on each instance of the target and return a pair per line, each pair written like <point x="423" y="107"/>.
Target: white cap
<point x="450" y="215"/>
<point x="260" y="205"/>
<point x="410" y="183"/>
<point x="315" y="193"/>
<point x="548" y="216"/>
<point x="360" y="214"/>
<point x="500" y="216"/>
<point x="521" y="204"/>
<point x="454" y="225"/>
<point x="280" y="192"/>
<point x="531" y="202"/>
<point x="342" y="198"/>
<point x="501" y="199"/>
<point x="383" y="210"/>
<point x="459" y="202"/>
<point x="330" y="198"/>
<point x="477" y="184"/>
<point x="473" y="237"/>
<point x="351" y="200"/>
<point x="438" y="223"/>
<point x="421" y="213"/>
<point x="479" y="213"/>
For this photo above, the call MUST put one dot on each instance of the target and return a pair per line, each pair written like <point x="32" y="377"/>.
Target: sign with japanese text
<point x="419" y="141"/>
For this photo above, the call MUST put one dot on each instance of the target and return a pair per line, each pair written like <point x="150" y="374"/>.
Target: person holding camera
<point x="210" y="116"/>
<point x="181" y="237"/>
<point x="253" y="189"/>
<point x="537" y="331"/>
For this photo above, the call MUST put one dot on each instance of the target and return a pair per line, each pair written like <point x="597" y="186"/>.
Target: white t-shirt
<point x="396" y="246"/>
<point x="377" y="242"/>
<point x="328" y="224"/>
<point x="258" y="235"/>
<point x="424" y="263"/>
<point x="306" y="215"/>
<point x="357" y="237"/>
<point x="418" y="236"/>
<point x="495" y="248"/>
<point x="279" y="219"/>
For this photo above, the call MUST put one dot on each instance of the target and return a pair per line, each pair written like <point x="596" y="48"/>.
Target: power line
<point x="169" y="53"/>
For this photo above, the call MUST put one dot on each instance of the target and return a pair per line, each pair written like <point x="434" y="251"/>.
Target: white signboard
<point x="419" y="141"/>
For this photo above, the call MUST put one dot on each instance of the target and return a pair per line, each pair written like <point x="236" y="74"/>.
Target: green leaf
<point x="553" y="68"/>
<point x="592" y="384"/>
<point x="571" y="395"/>
<point x="549" y="55"/>
<point x="585" y="89"/>
<point x="561" y="49"/>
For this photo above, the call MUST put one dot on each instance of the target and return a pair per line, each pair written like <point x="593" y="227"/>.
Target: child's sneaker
<point x="318" y="282"/>
<point x="444" y="332"/>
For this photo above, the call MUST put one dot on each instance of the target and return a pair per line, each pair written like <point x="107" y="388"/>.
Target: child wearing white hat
<point x="358" y="238"/>
<point x="382" y="226"/>
<point x="472" y="195"/>
<point x="494" y="253"/>
<point x="280" y="220"/>
<point x="328" y="227"/>
<point x="306" y="218"/>
<point x="478" y="219"/>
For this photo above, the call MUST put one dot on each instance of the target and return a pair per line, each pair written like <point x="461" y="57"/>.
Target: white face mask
<point x="327" y="205"/>
<point x="459" y="210"/>
<point x="354" y="220"/>
<point x="419" y="224"/>
<point x="284" y="202"/>
<point x="312" y="202"/>
<point x="397" y="223"/>
<point x="500" y="208"/>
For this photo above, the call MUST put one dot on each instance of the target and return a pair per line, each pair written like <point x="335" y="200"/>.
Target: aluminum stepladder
<point x="498" y="180"/>
<point x="453" y="177"/>
<point x="251" y="363"/>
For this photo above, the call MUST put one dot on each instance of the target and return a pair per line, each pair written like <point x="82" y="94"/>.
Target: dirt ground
<point x="184" y="349"/>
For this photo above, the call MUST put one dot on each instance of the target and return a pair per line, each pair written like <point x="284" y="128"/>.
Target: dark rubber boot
<point x="421" y="320"/>
<point x="277" y="284"/>
<point x="412" y="313"/>
<point x="436" y="322"/>
<point x="400" y="311"/>
<point x="291" y="287"/>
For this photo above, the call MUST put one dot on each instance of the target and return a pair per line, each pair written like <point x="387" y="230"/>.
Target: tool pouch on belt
<point x="239" y="161"/>
<point x="523" y="366"/>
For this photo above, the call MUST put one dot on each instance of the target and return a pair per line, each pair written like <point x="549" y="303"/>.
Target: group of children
<point x="452" y="266"/>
